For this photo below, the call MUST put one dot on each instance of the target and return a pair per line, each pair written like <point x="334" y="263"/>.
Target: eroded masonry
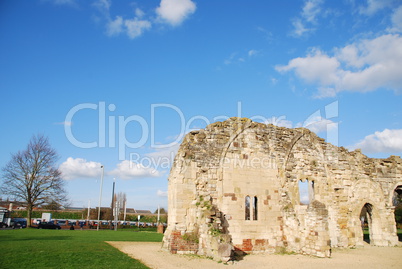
<point x="235" y="186"/>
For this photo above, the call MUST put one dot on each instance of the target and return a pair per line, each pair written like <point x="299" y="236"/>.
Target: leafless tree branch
<point x="31" y="175"/>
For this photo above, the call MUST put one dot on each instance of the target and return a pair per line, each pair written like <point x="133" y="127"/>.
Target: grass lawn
<point x="366" y="236"/>
<point x="32" y="248"/>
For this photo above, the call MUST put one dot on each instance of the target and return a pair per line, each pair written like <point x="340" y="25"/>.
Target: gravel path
<point x="153" y="256"/>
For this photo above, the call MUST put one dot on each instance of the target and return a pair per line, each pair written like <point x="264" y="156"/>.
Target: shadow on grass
<point x="52" y="238"/>
<point x="366" y="236"/>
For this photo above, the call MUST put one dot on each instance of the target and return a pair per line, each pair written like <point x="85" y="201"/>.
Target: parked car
<point x="48" y="225"/>
<point x="18" y="223"/>
<point x="62" y="222"/>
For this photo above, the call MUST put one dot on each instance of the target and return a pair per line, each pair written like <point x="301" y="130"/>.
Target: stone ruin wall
<point x="216" y="168"/>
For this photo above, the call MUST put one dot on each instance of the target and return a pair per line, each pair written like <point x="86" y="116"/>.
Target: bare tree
<point x="31" y="175"/>
<point x="161" y="211"/>
<point x="121" y="198"/>
<point x="52" y="205"/>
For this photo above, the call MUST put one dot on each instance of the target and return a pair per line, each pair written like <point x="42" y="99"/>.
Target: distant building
<point x="15" y="205"/>
<point x="137" y="211"/>
<point x="71" y="208"/>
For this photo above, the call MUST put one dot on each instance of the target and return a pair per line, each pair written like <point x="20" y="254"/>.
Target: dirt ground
<point x="153" y="256"/>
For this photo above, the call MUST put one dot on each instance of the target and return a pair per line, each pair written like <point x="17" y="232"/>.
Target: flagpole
<point x="125" y="210"/>
<point x="158" y="214"/>
<point x="113" y="203"/>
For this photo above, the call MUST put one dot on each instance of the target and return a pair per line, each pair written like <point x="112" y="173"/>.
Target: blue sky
<point x="115" y="83"/>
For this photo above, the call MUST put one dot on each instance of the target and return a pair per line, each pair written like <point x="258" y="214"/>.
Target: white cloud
<point x="114" y="27"/>
<point x="103" y="5"/>
<point x="236" y="57"/>
<point x="131" y="170"/>
<point x="374" y="5"/>
<point x="162" y="193"/>
<point x="315" y="67"/>
<point x="314" y="123"/>
<point x="79" y="168"/>
<point x="363" y="66"/>
<point x="299" y="28"/>
<point x="311" y="9"/>
<point x="132" y="27"/>
<point x="308" y="16"/>
<point x="175" y="12"/>
<point x="252" y="53"/>
<point x="387" y="141"/>
<point x="325" y="92"/>
<point x="317" y="124"/>
<point x="136" y="27"/>
<point x="139" y="13"/>
<point x="397" y="20"/>
<point x="164" y="155"/>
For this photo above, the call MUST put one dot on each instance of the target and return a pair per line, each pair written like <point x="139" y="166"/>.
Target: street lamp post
<point x="100" y="199"/>
<point x="89" y="210"/>
<point x="159" y="213"/>
<point x="113" y="205"/>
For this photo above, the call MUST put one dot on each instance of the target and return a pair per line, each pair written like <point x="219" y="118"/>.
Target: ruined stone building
<point x="234" y="186"/>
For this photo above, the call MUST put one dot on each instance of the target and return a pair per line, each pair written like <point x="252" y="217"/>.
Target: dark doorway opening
<point x="397" y="203"/>
<point x="366" y="221"/>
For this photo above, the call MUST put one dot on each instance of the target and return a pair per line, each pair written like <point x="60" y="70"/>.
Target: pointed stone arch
<point x="317" y="146"/>
<point x="226" y="147"/>
<point x="374" y="223"/>
<point x="394" y="187"/>
<point x="366" y="191"/>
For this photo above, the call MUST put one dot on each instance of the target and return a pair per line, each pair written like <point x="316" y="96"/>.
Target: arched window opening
<point x="397" y="203"/>
<point x="247" y="207"/>
<point x="366" y="221"/>
<point x="304" y="196"/>
<point x="255" y="208"/>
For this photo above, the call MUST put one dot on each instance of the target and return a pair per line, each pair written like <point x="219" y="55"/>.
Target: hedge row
<point x="55" y="214"/>
<point x="82" y="215"/>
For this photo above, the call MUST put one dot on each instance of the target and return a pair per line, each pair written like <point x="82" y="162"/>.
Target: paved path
<point x="151" y="255"/>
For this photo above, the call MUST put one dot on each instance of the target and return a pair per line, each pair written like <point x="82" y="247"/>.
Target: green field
<point x="366" y="236"/>
<point x="32" y="248"/>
